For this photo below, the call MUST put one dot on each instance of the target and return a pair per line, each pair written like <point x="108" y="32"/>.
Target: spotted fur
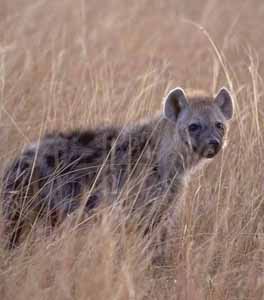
<point x="149" y="162"/>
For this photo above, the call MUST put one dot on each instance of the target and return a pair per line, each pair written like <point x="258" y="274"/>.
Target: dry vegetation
<point x="66" y="64"/>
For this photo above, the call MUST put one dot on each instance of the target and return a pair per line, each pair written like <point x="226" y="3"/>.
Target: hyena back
<point x="49" y="179"/>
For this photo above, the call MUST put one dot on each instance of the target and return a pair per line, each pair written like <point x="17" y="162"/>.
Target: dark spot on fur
<point x="23" y="165"/>
<point x="111" y="136"/>
<point x="92" y="202"/>
<point x="85" y="137"/>
<point x="50" y="159"/>
<point x="71" y="190"/>
<point x="75" y="158"/>
<point x="30" y="153"/>
<point x="60" y="154"/>
<point x="97" y="153"/>
<point x="123" y="147"/>
<point x="136" y="150"/>
<point x="85" y="160"/>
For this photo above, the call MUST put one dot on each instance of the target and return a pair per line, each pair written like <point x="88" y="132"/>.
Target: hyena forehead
<point x="202" y="110"/>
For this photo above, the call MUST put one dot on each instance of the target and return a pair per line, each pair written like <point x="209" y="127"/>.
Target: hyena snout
<point x="211" y="148"/>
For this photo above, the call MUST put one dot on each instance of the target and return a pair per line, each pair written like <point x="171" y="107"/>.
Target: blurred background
<point x="67" y="64"/>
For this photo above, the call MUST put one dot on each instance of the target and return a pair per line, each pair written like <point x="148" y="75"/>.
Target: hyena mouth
<point x="210" y="152"/>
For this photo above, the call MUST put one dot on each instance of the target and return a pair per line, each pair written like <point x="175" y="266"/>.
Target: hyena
<point x="153" y="159"/>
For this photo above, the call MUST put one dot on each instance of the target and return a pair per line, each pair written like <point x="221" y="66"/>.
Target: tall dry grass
<point x="67" y="64"/>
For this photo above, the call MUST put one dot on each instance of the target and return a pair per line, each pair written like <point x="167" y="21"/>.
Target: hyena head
<point x="200" y="122"/>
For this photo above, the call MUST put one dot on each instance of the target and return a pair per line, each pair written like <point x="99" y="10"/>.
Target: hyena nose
<point x="215" y="144"/>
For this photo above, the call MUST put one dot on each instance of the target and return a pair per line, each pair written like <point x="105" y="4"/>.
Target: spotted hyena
<point x="48" y="179"/>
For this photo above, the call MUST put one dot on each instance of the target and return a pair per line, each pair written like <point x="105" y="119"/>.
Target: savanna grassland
<point x="67" y="64"/>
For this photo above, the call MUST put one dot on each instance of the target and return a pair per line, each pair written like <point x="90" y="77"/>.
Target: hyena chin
<point x="147" y="164"/>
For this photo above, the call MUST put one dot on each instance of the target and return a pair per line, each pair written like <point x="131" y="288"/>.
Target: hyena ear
<point x="174" y="103"/>
<point x="224" y="101"/>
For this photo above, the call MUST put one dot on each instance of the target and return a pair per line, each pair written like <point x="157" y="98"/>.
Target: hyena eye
<point x="220" y="126"/>
<point x="194" y="127"/>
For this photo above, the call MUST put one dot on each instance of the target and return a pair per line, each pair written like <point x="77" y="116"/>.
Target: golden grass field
<point x="67" y="64"/>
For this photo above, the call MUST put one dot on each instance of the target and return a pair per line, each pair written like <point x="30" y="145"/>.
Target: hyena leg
<point x="12" y="231"/>
<point x="58" y="199"/>
<point x="159" y="251"/>
<point x="13" y="219"/>
<point x="158" y="233"/>
<point x="16" y="197"/>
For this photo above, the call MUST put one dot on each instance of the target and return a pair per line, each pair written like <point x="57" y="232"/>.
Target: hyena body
<point x="150" y="161"/>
